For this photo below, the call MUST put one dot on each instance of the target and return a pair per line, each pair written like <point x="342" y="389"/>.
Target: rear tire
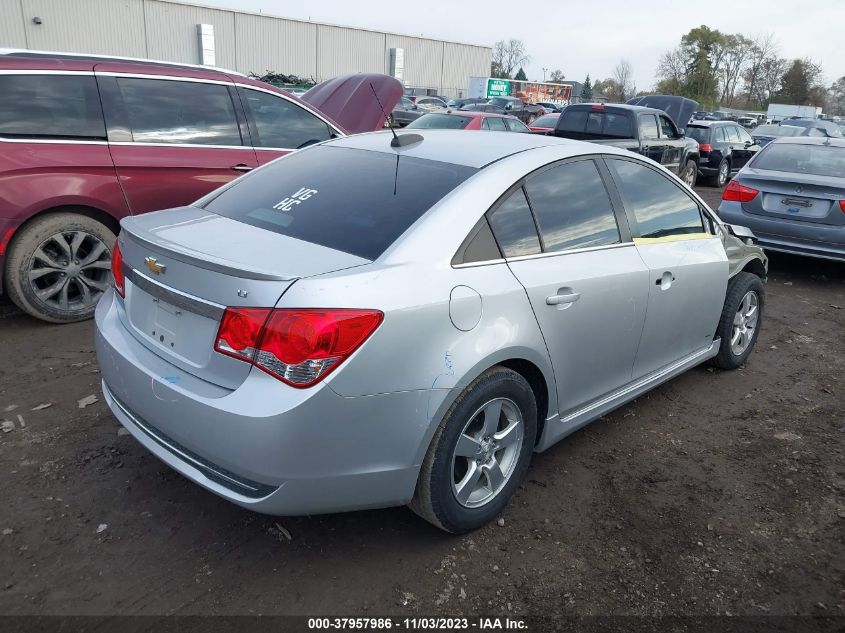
<point x="742" y="317"/>
<point x="688" y="175"/>
<point x="487" y="453"/>
<point x="723" y="174"/>
<point x="59" y="265"/>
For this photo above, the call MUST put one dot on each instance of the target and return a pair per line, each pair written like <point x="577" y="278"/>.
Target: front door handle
<point x="241" y="167"/>
<point x="565" y="298"/>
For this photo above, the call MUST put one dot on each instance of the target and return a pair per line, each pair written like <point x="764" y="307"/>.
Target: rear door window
<point x="658" y="205"/>
<point x="515" y="125"/>
<point x="572" y="207"/>
<point x="179" y="112"/>
<point x="281" y="124"/>
<point x="648" y="127"/>
<point x="496" y="124"/>
<point x="351" y="200"/>
<point x="50" y="106"/>
<point x="513" y="226"/>
<point x="732" y="133"/>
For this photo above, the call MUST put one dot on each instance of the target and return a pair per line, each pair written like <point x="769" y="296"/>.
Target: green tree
<point x="520" y="75"/>
<point x="836" y="97"/>
<point x="800" y="83"/>
<point x="587" y="90"/>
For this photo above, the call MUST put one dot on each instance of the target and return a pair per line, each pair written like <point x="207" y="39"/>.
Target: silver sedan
<point x="368" y="323"/>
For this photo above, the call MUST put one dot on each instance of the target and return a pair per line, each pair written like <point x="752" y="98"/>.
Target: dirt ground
<point x="717" y="493"/>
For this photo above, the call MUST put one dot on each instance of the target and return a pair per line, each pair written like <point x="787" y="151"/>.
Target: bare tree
<point x="764" y="48"/>
<point x="557" y="76"/>
<point x="623" y="75"/>
<point x="737" y="50"/>
<point x="510" y="55"/>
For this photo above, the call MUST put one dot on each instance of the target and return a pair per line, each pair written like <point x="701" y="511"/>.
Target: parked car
<point x="545" y="123"/>
<point x="748" y="122"/>
<point x="86" y="141"/>
<point x="550" y="107"/>
<point x="509" y="105"/>
<point x="258" y="341"/>
<point x="816" y="127"/>
<point x="457" y="104"/>
<point x="468" y="121"/>
<point x="642" y="130"/>
<point x="792" y="195"/>
<point x="765" y="134"/>
<point x="404" y="112"/>
<point x="724" y="148"/>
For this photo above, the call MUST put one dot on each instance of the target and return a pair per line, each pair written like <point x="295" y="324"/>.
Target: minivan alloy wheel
<point x="70" y="270"/>
<point x="487" y="452"/>
<point x="745" y="323"/>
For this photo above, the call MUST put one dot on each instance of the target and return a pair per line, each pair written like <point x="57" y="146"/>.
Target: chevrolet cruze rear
<point x="361" y="325"/>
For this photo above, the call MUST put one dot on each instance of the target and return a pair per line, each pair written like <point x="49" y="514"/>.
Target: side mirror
<point x="749" y="143"/>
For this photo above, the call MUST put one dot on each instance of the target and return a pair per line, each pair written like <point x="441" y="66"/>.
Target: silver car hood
<point x="198" y="237"/>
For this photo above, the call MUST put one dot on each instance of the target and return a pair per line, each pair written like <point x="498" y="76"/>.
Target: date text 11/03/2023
<point x="419" y="624"/>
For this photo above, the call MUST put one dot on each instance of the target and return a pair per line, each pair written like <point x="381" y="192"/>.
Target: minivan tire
<point x="741" y="286"/>
<point x="435" y="499"/>
<point x="43" y="233"/>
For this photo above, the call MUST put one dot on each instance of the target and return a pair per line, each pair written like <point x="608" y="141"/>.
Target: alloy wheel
<point x="745" y="323"/>
<point x="723" y="174"/>
<point x="487" y="452"/>
<point x="70" y="270"/>
<point x="689" y="176"/>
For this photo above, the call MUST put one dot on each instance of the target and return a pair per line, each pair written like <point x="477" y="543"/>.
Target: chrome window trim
<point x="198" y="80"/>
<point x="174" y="297"/>
<point x="49" y="141"/>
<point x="572" y="251"/>
<point x="15" y="71"/>
<point x="486" y="262"/>
<point x="155" y="144"/>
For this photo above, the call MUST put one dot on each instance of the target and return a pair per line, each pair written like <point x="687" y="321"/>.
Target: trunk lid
<point x="185" y="266"/>
<point x="800" y="197"/>
<point x="349" y="100"/>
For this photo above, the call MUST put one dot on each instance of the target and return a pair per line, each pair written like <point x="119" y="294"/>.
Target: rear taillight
<point x="842" y="205"/>
<point x="705" y="147"/>
<point x="736" y="192"/>
<point x="298" y="346"/>
<point x="117" y="271"/>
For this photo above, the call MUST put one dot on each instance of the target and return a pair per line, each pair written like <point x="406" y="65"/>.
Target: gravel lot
<point x="716" y="493"/>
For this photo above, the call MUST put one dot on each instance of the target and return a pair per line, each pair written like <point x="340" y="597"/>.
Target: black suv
<point x="724" y="148"/>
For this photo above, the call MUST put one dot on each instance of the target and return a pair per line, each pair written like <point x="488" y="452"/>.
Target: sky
<point x="587" y="36"/>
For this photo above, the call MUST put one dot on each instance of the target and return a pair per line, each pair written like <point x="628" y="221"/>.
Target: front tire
<point x="479" y="454"/>
<point x="742" y="316"/>
<point x="59" y="265"/>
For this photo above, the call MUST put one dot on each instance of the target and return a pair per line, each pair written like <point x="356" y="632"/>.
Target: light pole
<point x="544" y="74"/>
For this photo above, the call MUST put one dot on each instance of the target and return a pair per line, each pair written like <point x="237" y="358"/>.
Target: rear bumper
<point x="265" y="446"/>
<point x="788" y="236"/>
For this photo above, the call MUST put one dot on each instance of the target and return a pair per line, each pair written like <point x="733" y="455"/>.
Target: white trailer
<point x="780" y="111"/>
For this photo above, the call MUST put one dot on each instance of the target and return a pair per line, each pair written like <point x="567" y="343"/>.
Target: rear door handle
<point x="241" y="167"/>
<point x="563" y="300"/>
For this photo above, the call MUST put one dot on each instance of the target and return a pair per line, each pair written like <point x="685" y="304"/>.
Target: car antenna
<point x="398" y="141"/>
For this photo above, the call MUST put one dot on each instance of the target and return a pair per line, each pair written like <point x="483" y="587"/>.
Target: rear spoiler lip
<point x="209" y="262"/>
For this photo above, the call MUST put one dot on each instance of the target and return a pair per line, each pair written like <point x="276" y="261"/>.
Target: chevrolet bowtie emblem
<point x="154" y="266"/>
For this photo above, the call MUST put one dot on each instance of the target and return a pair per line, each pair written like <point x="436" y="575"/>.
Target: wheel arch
<point x="536" y="370"/>
<point x="755" y="267"/>
<point x="92" y="212"/>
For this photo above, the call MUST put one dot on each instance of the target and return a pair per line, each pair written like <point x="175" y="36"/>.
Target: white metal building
<point x="172" y="30"/>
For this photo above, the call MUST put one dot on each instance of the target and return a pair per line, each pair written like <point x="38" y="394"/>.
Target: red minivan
<point x="86" y="140"/>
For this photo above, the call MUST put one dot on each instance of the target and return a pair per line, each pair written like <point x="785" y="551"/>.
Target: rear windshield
<point x="699" y="133"/>
<point x="441" y="122"/>
<point x="351" y="200"/>
<point x="819" y="160"/>
<point x="777" y="130"/>
<point x="595" y="124"/>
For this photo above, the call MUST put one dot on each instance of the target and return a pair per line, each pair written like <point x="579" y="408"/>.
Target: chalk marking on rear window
<point x="298" y="198"/>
